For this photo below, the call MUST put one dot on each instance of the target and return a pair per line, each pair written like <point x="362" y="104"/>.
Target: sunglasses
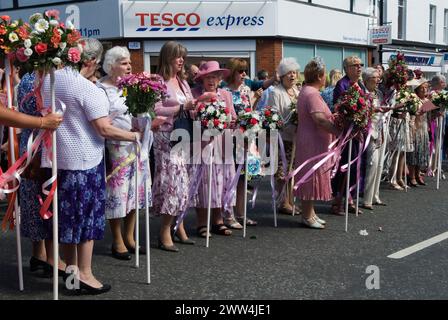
<point x="358" y="65"/>
<point x="242" y="71"/>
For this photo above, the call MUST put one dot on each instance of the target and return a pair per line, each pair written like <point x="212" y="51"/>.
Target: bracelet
<point x="41" y="122"/>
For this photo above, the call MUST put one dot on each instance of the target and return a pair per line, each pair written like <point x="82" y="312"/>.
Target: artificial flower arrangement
<point x="213" y="114"/>
<point x="355" y="107"/>
<point x="11" y="35"/>
<point x="142" y="92"/>
<point x="249" y="121"/>
<point x="397" y="73"/>
<point x="440" y="99"/>
<point x="271" y="120"/>
<point x="409" y="100"/>
<point x="45" y="42"/>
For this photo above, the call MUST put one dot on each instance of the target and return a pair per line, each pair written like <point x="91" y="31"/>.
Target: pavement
<point x="289" y="262"/>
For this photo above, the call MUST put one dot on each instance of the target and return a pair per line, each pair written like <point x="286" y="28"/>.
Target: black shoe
<point x="86" y="289"/>
<point x="186" y="241"/>
<point x="140" y="251"/>
<point x="163" y="247"/>
<point x="121" y="255"/>
<point x="36" y="264"/>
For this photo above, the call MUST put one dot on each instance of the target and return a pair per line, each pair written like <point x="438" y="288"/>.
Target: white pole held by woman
<point x="357" y="189"/>
<point x="209" y="205"/>
<point x="246" y="167"/>
<point x="13" y="159"/>
<point x="148" y="229"/>
<point x="347" y="187"/>
<point x="137" y="234"/>
<point x="439" y="148"/>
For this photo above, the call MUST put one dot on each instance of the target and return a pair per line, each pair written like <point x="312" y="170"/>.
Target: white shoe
<point x="312" y="223"/>
<point x="321" y="221"/>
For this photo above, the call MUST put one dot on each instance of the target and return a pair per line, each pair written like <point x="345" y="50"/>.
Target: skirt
<point x="120" y="188"/>
<point x="82" y="195"/>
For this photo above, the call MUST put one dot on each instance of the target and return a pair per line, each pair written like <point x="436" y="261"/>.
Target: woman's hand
<point x="51" y="121"/>
<point x="190" y="105"/>
<point x="207" y="96"/>
<point x="157" y="122"/>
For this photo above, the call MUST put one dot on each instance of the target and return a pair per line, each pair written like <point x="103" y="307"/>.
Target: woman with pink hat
<point x="223" y="172"/>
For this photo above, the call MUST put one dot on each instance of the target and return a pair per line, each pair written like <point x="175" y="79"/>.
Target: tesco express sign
<point x="169" y="21"/>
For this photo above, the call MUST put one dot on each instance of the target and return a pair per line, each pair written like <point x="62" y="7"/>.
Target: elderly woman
<point x="284" y="99"/>
<point x="171" y="179"/>
<point x="80" y="148"/>
<point x="419" y="158"/>
<point x="374" y="158"/>
<point x="314" y="134"/>
<point x="242" y="98"/>
<point x="438" y="84"/>
<point x="120" y="188"/>
<point x="223" y="172"/>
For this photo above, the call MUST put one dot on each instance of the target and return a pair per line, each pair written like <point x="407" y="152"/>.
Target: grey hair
<point x="114" y="55"/>
<point x="437" y="79"/>
<point x="286" y="65"/>
<point x="93" y="49"/>
<point x="368" y="73"/>
<point x="350" y="60"/>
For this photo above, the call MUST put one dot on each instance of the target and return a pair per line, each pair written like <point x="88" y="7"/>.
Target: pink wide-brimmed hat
<point x="210" y="67"/>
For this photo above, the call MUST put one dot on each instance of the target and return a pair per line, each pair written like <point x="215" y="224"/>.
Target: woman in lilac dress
<point x="314" y="134"/>
<point x="222" y="173"/>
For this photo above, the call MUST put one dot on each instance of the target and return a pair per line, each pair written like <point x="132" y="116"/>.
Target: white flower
<point x="41" y="26"/>
<point x="80" y="48"/>
<point x="256" y="128"/>
<point x="70" y="25"/>
<point x="210" y="110"/>
<point x="221" y="126"/>
<point x="14" y="24"/>
<point x="210" y="125"/>
<point x="275" y="117"/>
<point x="256" y="116"/>
<point x="54" y="23"/>
<point x="223" y="118"/>
<point x="272" y="126"/>
<point x="13" y="37"/>
<point x="56" y="61"/>
<point x="63" y="45"/>
<point x="27" y="43"/>
<point x="28" y="52"/>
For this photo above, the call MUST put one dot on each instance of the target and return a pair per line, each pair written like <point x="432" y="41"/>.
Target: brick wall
<point x="268" y="55"/>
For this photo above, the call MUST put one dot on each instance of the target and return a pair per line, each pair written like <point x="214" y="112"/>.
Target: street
<point x="285" y="263"/>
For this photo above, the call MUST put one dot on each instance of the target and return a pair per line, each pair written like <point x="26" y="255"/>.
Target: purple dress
<point x="312" y="141"/>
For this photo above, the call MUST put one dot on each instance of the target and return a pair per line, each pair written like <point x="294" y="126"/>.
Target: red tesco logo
<point x="169" y="19"/>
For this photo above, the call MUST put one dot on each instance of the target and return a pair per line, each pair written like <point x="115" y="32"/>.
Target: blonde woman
<point x="327" y="93"/>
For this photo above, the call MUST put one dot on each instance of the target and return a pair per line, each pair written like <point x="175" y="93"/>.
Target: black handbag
<point x="183" y="121"/>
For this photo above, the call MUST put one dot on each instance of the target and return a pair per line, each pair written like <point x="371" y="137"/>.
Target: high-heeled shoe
<point x="177" y="239"/>
<point x="120" y="255"/>
<point x="163" y="247"/>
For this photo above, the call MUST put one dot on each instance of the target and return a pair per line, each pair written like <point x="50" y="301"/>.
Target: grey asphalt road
<point x="285" y="263"/>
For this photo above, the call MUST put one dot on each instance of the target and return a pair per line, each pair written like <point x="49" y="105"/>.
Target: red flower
<point x="20" y="54"/>
<point x="225" y="125"/>
<point x="2" y="30"/>
<point x="227" y="110"/>
<point x="213" y="99"/>
<point x="56" y="38"/>
<point x="253" y="121"/>
<point x="204" y="123"/>
<point x="216" y="122"/>
<point x="267" y="113"/>
<point x="73" y="37"/>
<point x="23" y="33"/>
<point x="5" y="18"/>
<point x="362" y="101"/>
<point x="40" y="48"/>
<point x="248" y="110"/>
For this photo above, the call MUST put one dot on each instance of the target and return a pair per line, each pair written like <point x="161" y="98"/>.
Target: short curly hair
<point x="114" y="55"/>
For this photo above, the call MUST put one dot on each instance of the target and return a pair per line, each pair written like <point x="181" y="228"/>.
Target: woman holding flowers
<point x="171" y="179"/>
<point x="283" y="99"/>
<point x="314" y="134"/>
<point x="121" y="188"/>
<point x="223" y="169"/>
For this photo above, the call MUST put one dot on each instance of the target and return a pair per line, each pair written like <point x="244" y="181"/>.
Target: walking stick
<point x="347" y="188"/>
<point x="13" y="159"/>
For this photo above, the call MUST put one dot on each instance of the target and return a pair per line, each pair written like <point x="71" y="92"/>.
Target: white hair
<point x="286" y="65"/>
<point x="114" y="55"/>
<point x="93" y="49"/>
<point x="437" y="79"/>
<point x="368" y="73"/>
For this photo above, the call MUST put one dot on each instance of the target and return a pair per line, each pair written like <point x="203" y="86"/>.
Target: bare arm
<point x="16" y="119"/>
<point x="108" y="131"/>
<point x="322" y="122"/>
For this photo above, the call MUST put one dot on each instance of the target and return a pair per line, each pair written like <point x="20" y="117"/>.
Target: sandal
<point x="336" y="209"/>
<point x="249" y="222"/>
<point x="233" y="224"/>
<point x="221" y="230"/>
<point x="202" y="232"/>
<point x="352" y="209"/>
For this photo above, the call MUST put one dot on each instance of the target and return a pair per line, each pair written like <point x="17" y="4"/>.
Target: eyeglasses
<point x="357" y="65"/>
<point x="243" y="71"/>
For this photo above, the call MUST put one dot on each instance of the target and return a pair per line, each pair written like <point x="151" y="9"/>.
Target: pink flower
<point x="41" y="48"/>
<point x="52" y="14"/>
<point x="74" y="55"/>
<point x="20" y="54"/>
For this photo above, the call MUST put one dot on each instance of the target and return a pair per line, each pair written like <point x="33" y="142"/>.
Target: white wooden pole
<point x="54" y="172"/>
<point x="209" y="206"/>
<point x="439" y="156"/>
<point x="137" y="209"/>
<point x="8" y="74"/>
<point x="292" y="179"/>
<point x="357" y="189"/>
<point x="148" y="229"/>
<point x="347" y="188"/>
<point x="405" y="161"/>
<point x="246" y="167"/>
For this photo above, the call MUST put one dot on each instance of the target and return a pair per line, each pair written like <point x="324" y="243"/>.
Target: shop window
<point x="348" y="52"/>
<point x="401" y="19"/>
<point x="332" y="56"/>
<point x="6" y="4"/>
<point x="302" y="52"/>
<point x="445" y="27"/>
<point x="432" y="23"/>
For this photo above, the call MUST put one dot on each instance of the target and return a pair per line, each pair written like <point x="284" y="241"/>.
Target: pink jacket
<point x="168" y="108"/>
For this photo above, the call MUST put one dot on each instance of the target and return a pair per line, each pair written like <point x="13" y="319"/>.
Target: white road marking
<point x="419" y="246"/>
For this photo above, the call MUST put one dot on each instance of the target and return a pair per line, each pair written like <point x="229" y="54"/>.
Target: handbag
<point x="183" y="121"/>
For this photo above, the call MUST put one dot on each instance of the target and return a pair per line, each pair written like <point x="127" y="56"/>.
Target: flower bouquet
<point x="409" y="100"/>
<point x="293" y="117"/>
<point x="271" y="120"/>
<point x="355" y="107"/>
<point x="249" y="121"/>
<point x="142" y="91"/>
<point x="397" y="73"/>
<point x="440" y="99"/>
<point x="11" y="35"/>
<point x="214" y="115"/>
<point x="46" y="42"/>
